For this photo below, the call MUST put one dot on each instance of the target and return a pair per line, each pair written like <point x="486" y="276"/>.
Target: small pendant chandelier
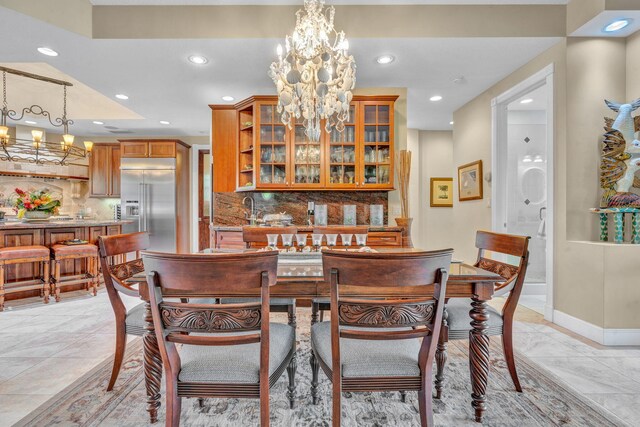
<point x="37" y="150"/>
<point x="315" y="75"/>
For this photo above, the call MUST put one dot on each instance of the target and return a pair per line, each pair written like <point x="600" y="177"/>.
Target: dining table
<point x="301" y="277"/>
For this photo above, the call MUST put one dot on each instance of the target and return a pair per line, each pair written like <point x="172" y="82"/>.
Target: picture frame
<point x="441" y="193"/>
<point x="470" y="181"/>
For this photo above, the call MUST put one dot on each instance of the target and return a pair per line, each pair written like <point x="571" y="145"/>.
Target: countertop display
<point x="9" y="225"/>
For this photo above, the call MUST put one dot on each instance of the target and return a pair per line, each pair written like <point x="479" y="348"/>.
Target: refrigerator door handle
<point x="146" y="216"/>
<point x="141" y="221"/>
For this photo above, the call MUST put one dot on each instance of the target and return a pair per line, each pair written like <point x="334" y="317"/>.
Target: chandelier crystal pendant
<point x="315" y="74"/>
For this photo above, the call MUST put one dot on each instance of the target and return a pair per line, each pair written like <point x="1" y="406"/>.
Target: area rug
<point x="544" y="402"/>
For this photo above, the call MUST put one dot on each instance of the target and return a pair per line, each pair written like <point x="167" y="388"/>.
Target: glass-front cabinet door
<point x="341" y="155"/>
<point x="306" y="158"/>
<point x="376" y="145"/>
<point x="272" y="156"/>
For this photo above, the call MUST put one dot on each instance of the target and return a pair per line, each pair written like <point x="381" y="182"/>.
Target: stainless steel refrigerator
<point x="148" y="197"/>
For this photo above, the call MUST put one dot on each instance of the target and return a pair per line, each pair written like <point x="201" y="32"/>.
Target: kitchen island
<point x="230" y="237"/>
<point x="47" y="233"/>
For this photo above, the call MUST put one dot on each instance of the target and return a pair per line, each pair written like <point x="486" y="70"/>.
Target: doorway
<point x="204" y="198"/>
<point x="522" y="173"/>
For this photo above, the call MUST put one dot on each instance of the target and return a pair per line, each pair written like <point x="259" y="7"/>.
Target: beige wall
<point x="432" y="226"/>
<point x="472" y="141"/>
<point x="593" y="282"/>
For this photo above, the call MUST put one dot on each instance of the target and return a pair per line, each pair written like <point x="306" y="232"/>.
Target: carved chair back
<point x="514" y="275"/>
<point x="256" y="237"/>
<point x="404" y="277"/>
<point x="117" y="247"/>
<point x="206" y="275"/>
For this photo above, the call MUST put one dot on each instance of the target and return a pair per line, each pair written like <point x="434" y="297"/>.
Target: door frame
<point x="195" y="190"/>
<point x="499" y="134"/>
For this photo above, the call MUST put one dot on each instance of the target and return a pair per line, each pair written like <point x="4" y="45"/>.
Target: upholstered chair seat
<point x="90" y="278"/>
<point x="460" y="323"/>
<point x="238" y="363"/>
<point x="16" y="252"/>
<point x="134" y="320"/>
<point x="369" y="358"/>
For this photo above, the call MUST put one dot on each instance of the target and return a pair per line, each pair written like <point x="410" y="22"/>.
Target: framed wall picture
<point x="441" y="193"/>
<point x="470" y="181"/>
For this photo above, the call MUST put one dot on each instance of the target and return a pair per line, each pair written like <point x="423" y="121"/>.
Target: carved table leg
<point x="152" y="366"/>
<point x="441" y="355"/>
<point x="479" y="356"/>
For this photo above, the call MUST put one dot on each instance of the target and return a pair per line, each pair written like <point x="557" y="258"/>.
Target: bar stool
<point x="25" y="255"/>
<point x="60" y="252"/>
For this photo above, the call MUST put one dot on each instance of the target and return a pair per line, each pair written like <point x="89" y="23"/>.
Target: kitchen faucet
<point x="251" y="217"/>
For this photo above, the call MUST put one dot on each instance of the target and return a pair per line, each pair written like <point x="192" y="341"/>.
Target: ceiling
<point x="163" y="85"/>
<point x="538" y="102"/>
<point x="299" y="2"/>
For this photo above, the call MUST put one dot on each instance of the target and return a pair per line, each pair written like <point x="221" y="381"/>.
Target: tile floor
<point x="44" y="348"/>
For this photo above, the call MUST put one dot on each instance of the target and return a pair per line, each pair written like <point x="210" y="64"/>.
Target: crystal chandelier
<point x="315" y="74"/>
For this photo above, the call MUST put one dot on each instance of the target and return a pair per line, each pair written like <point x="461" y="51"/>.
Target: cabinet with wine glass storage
<point x="272" y="141"/>
<point x="376" y="145"/>
<point x="271" y="156"/>
<point x="306" y="160"/>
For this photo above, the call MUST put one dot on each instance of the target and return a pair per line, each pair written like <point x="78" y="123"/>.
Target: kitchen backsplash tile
<point x="229" y="210"/>
<point x="74" y="195"/>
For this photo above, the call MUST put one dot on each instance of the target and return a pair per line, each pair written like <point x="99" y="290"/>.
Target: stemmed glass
<point x="346" y="240"/>
<point x="361" y="240"/>
<point x="316" y="240"/>
<point x="272" y="240"/>
<point x="301" y="240"/>
<point x="287" y="240"/>
<point x="332" y="240"/>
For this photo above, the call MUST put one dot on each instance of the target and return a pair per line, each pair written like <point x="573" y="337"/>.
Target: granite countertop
<point x="61" y="223"/>
<point x="306" y="228"/>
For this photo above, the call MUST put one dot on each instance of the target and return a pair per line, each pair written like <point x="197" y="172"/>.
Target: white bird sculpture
<point x="624" y="123"/>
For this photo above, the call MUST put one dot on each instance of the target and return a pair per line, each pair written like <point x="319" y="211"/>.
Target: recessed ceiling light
<point x="47" y="51"/>
<point x="228" y="98"/>
<point x="164" y="122"/>
<point x="97" y="122"/>
<point x="451" y="122"/>
<point x="122" y="96"/>
<point x="30" y="122"/>
<point x="385" y="59"/>
<point x="435" y="98"/>
<point x="197" y="59"/>
<point x="526" y="101"/>
<point x="617" y="25"/>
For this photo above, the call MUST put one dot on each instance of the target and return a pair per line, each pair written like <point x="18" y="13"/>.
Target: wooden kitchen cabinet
<point x="149" y="148"/>
<point x="269" y="156"/>
<point x="104" y="171"/>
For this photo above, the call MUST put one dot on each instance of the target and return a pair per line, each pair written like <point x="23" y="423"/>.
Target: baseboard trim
<point x="534" y="289"/>
<point x="604" y="336"/>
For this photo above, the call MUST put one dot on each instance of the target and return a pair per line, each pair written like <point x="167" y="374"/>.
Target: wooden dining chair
<point x="113" y="249"/>
<point x="320" y="305"/>
<point x="228" y="350"/>
<point x="256" y="237"/>
<point x="457" y="324"/>
<point x="374" y="344"/>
